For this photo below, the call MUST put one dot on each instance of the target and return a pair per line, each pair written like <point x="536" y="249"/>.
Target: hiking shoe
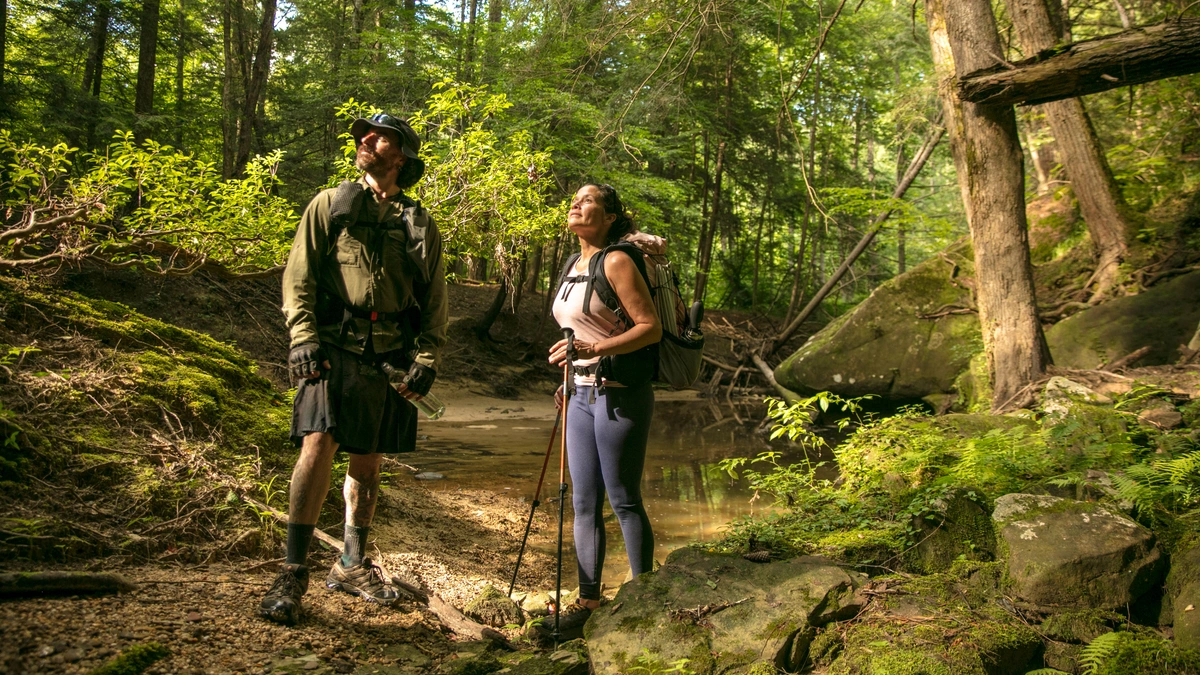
<point x="570" y="624"/>
<point x="364" y="580"/>
<point x="282" y="602"/>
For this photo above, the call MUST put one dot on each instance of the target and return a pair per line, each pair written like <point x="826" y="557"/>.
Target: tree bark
<point x="143" y="99"/>
<point x="1100" y="200"/>
<point x="994" y="185"/>
<point x="180" y="56"/>
<point x="491" y="53"/>
<point x="469" y="59"/>
<point x="484" y="327"/>
<point x="255" y="86"/>
<point x="229" y="116"/>
<point x="3" y="52"/>
<point x="704" y="255"/>
<point x="94" y="68"/>
<point x="1130" y="57"/>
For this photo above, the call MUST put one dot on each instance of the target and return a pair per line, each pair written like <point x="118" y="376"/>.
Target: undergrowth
<point x="121" y="434"/>
<point x="896" y="469"/>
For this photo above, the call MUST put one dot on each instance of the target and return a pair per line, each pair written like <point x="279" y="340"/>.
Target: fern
<point x="1098" y="652"/>
<point x="1046" y="671"/>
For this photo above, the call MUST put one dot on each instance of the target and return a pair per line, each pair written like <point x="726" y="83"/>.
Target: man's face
<point x="379" y="152"/>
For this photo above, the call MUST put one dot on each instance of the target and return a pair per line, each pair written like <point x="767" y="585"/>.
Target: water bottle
<point x="429" y="404"/>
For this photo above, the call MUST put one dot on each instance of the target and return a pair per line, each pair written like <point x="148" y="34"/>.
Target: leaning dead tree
<point x="1130" y="57"/>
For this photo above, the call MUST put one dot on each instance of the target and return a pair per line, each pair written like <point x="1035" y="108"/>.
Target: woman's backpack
<point x="677" y="359"/>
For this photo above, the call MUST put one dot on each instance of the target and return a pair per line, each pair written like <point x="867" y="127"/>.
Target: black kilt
<point x="354" y="402"/>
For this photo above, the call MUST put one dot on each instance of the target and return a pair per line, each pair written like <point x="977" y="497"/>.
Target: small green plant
<point x="651" y="664"/>
<point x="1097" y="652"/>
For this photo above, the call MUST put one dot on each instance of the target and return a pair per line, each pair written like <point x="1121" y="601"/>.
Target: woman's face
<point x="587" y="218"/>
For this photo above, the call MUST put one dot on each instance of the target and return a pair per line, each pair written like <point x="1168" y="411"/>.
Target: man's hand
<point x="306" y="361"/>
<point x="417" y="381"/>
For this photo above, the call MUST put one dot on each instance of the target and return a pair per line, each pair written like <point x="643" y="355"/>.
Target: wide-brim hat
<point x="410" y="142"/>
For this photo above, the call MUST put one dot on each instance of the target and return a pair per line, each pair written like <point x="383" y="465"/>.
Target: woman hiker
<point x="608" y="418"/>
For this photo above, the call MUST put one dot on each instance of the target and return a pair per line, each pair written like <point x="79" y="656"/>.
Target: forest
<point x="954" y="244"/>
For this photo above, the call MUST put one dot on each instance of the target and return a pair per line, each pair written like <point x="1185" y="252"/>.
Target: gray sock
<point x="355" y="540"/>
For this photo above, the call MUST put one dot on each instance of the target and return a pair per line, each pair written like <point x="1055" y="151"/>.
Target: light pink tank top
<point x="601" y="323"/>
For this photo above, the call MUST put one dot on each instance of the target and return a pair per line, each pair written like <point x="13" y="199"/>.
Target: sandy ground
<point x="453" y="542"/>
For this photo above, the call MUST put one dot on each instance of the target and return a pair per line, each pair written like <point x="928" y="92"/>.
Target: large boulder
<point x="721" y="612"/>
<point x="1161" y="318"/>
<point x="1076" y="554"/>
<point x="884" y="347"/>
<point x="955" y="526"/>
<point x="1183" y="595"/>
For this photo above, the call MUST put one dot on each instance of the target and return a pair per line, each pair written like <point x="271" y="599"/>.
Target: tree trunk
<point x="901" y="165"/>
<point x="94" y="68"/>
<point x="469" y="59"/>
<point x="180" y="56"/>
<point x="477" y="268"/>
<point x="356" y="26"/>
<point x="1042" y="153"/>
<point x="229" y="117"/>
<point x="484" y="327"/>
<point x="704" y="256"/>
<point x="1127" y="58"/>
<point x="798" y="277"/>
<point x="143" y="99"/>
<point x="535" y="277"/>
<point x="3" y="53"/>
<point x="491" y="54"/>
<point x="520" y="285"/>
<point x="1100" y="200"/>
<point x="985" y="138"/>
<point x="255" y="86"/>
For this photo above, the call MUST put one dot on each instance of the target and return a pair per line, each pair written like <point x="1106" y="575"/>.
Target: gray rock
<point x="1183" y="593"/>
<point x="1075" y="554"/>
<point x="569" y="659"/>
<point x="1161" y="318"/>
<point x="883" y="347"/>
<point x="493" y="608"/>
<point x="1161" y="416"/>
<point x="1061" y="392"/>
<point x="537" y="603"/>
<point x="720" y="612"/>
<point x="429" y="475"/>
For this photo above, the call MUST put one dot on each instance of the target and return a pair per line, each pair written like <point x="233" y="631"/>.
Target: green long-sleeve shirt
<point x="368" y="267"/>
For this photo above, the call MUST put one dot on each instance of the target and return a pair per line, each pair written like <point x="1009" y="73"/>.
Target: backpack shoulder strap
<point x="344" y="208"/>
<point x="566" y="271"/>
<point x="598" y="281"/>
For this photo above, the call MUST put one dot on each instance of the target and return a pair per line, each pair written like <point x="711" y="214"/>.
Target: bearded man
<point x="364" y="288"/>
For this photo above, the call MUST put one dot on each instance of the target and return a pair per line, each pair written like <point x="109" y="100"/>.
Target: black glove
<point x="305" y="360"/>
<point x="419" y="378"/>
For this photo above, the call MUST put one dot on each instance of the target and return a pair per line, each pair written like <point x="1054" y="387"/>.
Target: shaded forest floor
<point x="142" y="413"/>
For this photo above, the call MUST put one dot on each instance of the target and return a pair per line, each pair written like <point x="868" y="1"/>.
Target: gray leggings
<point x="607" y="432"/>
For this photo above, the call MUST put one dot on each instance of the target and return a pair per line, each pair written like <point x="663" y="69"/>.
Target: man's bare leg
<point x="361" y="491"/>
<point x="306" y="494"/>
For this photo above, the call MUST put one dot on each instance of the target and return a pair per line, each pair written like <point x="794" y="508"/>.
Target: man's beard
<point x="373" y="163"/>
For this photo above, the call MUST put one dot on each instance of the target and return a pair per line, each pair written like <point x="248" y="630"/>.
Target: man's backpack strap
<point x="344" y="209"/>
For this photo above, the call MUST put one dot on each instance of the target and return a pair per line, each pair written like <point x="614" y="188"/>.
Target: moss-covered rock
<point x="720" y="612"/>
<point x="956" y="526"/>
<point x="1075" y="554"/>
<point x="133" y="660"/>
<point x="883" y="347"/>
<point x="1161" y="318"/>
<point x="494" y="608"/>
<point x="1183" y="591"/>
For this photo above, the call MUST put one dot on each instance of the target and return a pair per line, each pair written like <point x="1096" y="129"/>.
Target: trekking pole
<point x="537" y="495"/>
<point x="562" y="481"/>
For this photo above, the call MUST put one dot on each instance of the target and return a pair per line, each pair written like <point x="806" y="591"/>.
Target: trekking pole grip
<point x="569" y="336"/>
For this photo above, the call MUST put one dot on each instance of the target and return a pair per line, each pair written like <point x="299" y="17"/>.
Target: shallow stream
<point x="687" y="496"/>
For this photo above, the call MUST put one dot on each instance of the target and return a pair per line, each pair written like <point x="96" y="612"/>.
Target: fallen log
<point x="40" y="584"/>
<point x="910" y="174"/>
<point x="1126" y="360"/>
<point x="462" y="625"/>
<point x="1122" y="59"/>
<point x="788" y="395"/>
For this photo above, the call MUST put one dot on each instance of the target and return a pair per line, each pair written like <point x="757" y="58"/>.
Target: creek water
<point x="687" y="496"/>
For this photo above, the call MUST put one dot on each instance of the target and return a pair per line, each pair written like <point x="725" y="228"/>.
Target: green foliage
<point x="647" y="663"/>
<point x="133" y="660"/>
<point x="490" y="192"/>
<point x="1130" y="653"/>
<point x="145" y="205"/>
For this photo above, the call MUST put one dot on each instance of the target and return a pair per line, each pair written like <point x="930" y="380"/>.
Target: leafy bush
<point x="132" y="205"/>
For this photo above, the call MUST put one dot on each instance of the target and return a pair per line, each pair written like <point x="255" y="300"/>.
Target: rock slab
<point x="1075" y="554"/>
<point x="721" y="612"/>
<point x="884" y="347"/>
